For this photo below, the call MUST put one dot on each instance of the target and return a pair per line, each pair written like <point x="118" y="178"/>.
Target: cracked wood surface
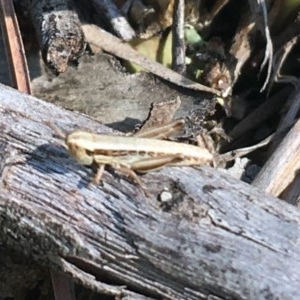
<point x="217" y="237"/>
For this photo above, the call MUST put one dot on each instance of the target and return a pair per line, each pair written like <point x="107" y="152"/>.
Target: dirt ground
<point x="100" y="87"/>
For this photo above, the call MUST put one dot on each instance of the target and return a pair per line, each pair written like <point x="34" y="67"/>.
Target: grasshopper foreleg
<point x="122" y="168"/>
<point x="98" y="175"/>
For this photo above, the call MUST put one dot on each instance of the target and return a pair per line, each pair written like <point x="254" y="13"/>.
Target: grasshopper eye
<point x="80" y="154"/>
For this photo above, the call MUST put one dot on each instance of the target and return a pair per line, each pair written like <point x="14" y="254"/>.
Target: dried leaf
<point x="161" y="113"/>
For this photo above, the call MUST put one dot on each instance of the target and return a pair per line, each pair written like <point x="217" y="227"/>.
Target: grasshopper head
<point x="76" y="144"/>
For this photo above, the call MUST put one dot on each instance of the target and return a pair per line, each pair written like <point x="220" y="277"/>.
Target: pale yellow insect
<point x="130" y="154"/>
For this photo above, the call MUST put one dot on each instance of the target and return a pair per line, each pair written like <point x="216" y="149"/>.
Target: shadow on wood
<point x="218" y="237"/>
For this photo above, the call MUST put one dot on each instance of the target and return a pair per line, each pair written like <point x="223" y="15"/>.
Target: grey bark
<point x="58" y="31"/>
<point x="217" y="237"/>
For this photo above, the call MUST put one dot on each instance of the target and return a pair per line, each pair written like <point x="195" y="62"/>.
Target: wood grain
<point x="216" y="237"/>
<point x="283" y="166"/>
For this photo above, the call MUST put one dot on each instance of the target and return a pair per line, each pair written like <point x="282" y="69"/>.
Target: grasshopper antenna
<point x="58" y="132"/>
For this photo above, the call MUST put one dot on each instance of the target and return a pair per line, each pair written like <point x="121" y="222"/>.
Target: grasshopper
<point x="138" y="153"/>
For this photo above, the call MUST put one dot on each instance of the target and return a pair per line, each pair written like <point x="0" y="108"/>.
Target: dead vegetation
<point x="232" y="67"/>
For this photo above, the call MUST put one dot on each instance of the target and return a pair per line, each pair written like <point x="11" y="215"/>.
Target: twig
<point x="14" y="47"/>
<point x="118" y="22"/>
<point x="279" y="59"/>
<point x="178" y="46"/>
<point x="113" y="45"/>
<point x="289" y="118"/>
<point x="282" y="167"/>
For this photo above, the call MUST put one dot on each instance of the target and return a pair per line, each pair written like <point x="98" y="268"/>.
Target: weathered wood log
<point x="281" y="169"/>
<point x="217" y="236"/>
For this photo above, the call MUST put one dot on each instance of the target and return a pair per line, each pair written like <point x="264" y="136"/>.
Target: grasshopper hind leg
<point x="145" y="165"/>
<point x="127" y="171"/>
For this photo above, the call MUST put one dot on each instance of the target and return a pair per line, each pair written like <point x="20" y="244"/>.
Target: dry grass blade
<point x="115" y="46"/>
<point x="259" y="10"/>
<point x="231" y="155"/>
<point x="14" y="47"/>
<point x="279" y="59"/>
